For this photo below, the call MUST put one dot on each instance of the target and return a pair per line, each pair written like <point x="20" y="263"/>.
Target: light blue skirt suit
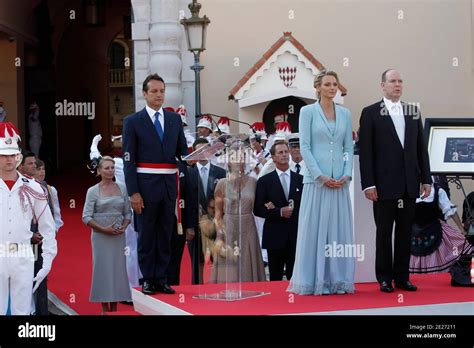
<point x="325" y="217"/>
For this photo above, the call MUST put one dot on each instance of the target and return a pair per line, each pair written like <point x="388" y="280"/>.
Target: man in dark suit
<point x="277" y="200"/>
<point x="203" y="180"/>
<point x="152" y="140"/>
<point x="393" y="162"/>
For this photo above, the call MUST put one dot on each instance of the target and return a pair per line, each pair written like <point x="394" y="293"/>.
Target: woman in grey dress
<point x="324" y="262"/>
<point x="107" y="211"/>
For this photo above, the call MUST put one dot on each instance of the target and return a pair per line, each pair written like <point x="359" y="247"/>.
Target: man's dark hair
<point x="278" y="142"/>
<point x="200" y="141"/>
<point x="384" y="74"/>
<point x="26" y="154"/>
<point x="149" y="78"/>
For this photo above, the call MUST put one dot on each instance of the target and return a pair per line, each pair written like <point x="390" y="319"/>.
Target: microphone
<point x="231" y="119"/>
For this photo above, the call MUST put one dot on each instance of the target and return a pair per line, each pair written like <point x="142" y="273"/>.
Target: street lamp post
<point x="197" y="67"/>
<point x="195" y="28"/>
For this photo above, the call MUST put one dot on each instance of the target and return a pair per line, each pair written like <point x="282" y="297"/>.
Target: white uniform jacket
<point x="15" y="218"/>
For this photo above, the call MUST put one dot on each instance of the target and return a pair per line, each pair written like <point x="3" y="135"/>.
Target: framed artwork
<point x="450" y="145"/>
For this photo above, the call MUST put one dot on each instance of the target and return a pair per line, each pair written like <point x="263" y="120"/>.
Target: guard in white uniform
<point x="22" y="201"/>
<point x="204" y="127"/>
<point x="257" y="136"/>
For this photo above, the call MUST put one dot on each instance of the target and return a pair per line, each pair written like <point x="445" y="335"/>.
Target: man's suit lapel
<point x="387" y="119"/>
<point x="210" y="180"/>
<point x="148" y="125"/>
<point x="277" y="183"/>
<point x="408" y="124"/>
<point x="202" y="196"/>
<point x="293" y="185"/>
<point x="168" y="126"/>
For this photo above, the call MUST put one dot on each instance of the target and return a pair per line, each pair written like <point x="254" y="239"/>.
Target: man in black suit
<point x="152" y="140"/>
<point x="393" y="162"/>
<point x="203" y="180"/>
<point x="277" y="200"/>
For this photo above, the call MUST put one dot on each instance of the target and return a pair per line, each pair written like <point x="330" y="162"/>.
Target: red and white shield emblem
<point x="287" y="75"/>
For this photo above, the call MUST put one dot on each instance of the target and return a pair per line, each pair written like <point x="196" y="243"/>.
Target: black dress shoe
<point x="386" y="287"/>
<point x="148" y="288"/>
<point x="406" y="286"/>
<point x="164" y="288"/>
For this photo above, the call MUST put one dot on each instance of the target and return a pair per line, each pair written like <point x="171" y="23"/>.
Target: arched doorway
<point x="82" y="63"/>
<point x="288" y="106"/>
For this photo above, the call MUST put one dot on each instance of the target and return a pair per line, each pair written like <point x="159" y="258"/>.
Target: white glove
<point x="42" y="273"/>
<point x="96" y="140"/>
<point x="189" y="138"/>
<point x="94" y="149"/>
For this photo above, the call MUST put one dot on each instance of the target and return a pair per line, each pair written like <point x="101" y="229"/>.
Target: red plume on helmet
<point x="282" y="130"/>
<point x="259" y="128"/>
<point x="9" y="129"/>
<point x="224" y="125"/>
<point x="9" y="138"/>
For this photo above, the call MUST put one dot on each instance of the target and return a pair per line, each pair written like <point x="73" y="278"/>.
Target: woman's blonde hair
<point x="102" y="161"/>
<point x="319" y="79"/>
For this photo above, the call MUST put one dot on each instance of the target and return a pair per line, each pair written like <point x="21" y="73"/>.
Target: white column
<point x="165" y="51"/>
<point x="187" y="76"/>
<point x="141" y="47"/>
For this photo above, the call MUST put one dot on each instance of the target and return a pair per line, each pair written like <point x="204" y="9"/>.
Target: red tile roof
<point x="286" y="37"/>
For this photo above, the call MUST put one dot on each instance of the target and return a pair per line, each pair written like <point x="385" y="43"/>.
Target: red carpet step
<point x="432" y="289"/>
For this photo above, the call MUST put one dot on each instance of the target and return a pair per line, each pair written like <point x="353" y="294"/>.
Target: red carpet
<point x="71" y="274"/>
<point x="433" y="289"/>
<point x="70" y="277"/>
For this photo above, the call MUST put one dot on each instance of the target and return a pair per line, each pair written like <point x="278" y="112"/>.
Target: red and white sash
<point x="165" y="168"/>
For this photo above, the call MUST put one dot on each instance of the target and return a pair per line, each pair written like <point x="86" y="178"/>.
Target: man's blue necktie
<point x="157" y="124"/>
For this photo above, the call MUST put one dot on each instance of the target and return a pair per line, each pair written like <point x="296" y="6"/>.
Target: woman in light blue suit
<point x="324" y="262"/>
